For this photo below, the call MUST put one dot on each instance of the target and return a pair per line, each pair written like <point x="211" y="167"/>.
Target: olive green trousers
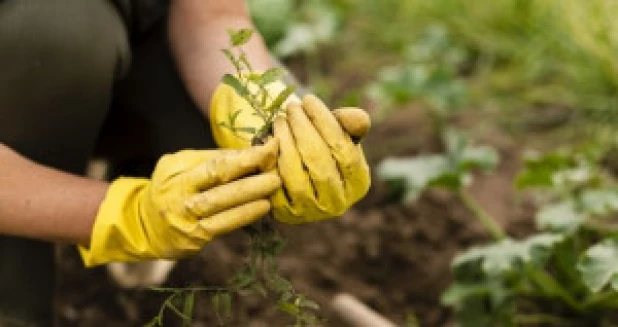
<point x="73" y="85"/>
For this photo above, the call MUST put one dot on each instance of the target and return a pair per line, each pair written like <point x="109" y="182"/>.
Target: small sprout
<point x="252" y="86"/>
<point x="240" y="37"/>
<point x="260" y="275"/>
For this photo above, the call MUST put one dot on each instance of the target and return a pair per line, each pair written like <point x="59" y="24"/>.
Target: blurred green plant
<point x="564" y="275"/>
<point x="451" y="170"/>
<point x="429" y="74"/>
<point x="292" y="27"/>
<point x="519" y="55"/>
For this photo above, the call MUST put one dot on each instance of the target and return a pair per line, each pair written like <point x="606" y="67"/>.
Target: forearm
<point x="198" y="32"/>
<point x="46" y="204"/>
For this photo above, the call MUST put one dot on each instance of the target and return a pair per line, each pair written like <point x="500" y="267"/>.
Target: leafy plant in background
<point x="429" y="74"/>
<point x="451" y="170"/>
<point x="293" y="27"/>
<point x="564" y="275"/>
<point x="260" y="275"/>
<point x="553" y="59"/>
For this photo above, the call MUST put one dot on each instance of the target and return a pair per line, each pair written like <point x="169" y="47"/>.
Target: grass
<point x="524" y="53"/>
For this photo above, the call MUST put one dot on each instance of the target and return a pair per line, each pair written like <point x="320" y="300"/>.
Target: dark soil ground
<point x="394" y="257"/>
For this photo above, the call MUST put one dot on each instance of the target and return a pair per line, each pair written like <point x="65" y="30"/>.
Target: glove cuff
<point x="117" y="233"/>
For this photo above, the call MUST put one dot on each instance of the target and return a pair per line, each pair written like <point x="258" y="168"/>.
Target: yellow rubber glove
<point x="192" y="197"/>
<point x="323" y="171"/>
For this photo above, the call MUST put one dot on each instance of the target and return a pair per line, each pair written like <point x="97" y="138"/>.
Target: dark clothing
<point x="68" y="90"/>
<point x="140" y="15"/>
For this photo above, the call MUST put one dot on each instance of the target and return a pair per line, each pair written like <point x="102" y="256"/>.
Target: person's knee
<point x="58" y="61"/>
<point x="68" y="38"/>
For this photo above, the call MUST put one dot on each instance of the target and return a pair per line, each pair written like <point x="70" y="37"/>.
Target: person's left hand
<point x="323" y="170"/>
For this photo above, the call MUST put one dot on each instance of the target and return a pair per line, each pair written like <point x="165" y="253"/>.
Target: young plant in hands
<point x="260" y="275"/>
<point x="255" y="88"/>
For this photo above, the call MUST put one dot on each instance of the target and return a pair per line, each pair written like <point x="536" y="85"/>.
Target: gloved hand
<point x="323" y="171"/>
<point x="192" y="197"/>
<point x="226" y="102"/>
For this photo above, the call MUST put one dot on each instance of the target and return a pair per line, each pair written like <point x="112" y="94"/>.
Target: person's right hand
<point x="192" y="197"/>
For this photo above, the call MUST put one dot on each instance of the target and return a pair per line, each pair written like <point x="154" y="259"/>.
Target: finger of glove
<point x="294" y="213"/>
<point x="175" y="164"/>
<point x="233" y="164"/>
<point x="349" y="156"/>
<point x="316" y="157"/>
<point x="234" y="218"/>
<point x="355" y="121"/>
<point x="233" y="194"/>
<point x="295" y="179"/>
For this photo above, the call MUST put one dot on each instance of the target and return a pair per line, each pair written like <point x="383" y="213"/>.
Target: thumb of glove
<point x="354" y="121"/>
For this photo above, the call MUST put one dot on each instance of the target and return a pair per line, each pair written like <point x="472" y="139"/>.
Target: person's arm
<point x="198" y="32"/>
<point x="184" y="205"/>
<point x="46" y="204"/>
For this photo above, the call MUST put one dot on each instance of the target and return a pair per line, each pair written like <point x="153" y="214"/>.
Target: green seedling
<point x="260" y="275"/>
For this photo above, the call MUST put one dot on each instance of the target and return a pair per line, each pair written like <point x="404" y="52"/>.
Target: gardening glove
<point x="323" y="171"/>
<point x="193" y="196"/>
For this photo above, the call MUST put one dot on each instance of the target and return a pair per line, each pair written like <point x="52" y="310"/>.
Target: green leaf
<point x="280" y="284"/>
<point x="418" y="172"/>
<point x="289" y="308"/>
<point x="549" y="286"/>
<point x="240" y="37"/>
<point x="601" y="201"/>
<point x="235" y="83"/>
<point x="599" y="266"/>
<point x="457" y="294"/>
<point x="188" y="306"/>
<point x="466" y="157"/>
<point x="281" y="97"/>
<point x="271" y="75"/>
<point x="561" y="218"/>
<point x="539" y="170"/>
<point x="244" y="278"/>
<point x="486" y="303"/>
<point x="483" y="157"/>
<point x="451" y="171"/>
<point x="507" y="255"/>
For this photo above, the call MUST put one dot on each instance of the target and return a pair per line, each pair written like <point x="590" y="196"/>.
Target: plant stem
<point x="601" y="298"/>
<point x="535" y="319"/>
<point x="481" y="215"/>
<point x="551" y="287"/>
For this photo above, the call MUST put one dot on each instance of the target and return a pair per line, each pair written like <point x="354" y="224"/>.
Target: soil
<point x="394" y="257"/>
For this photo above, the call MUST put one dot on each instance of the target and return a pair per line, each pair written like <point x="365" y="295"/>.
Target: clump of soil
<point x="394" y="257"/>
